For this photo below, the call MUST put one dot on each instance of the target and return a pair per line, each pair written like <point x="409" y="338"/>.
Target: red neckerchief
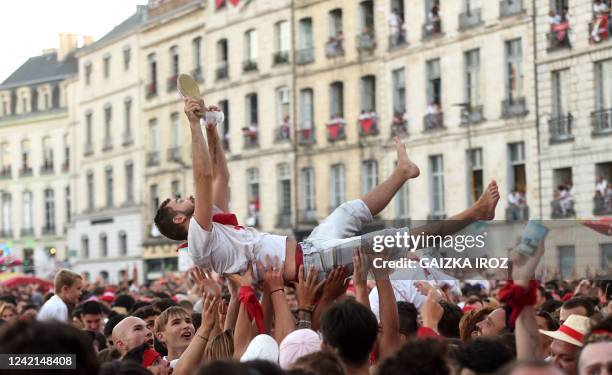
<point x="247" y="297"/>
<point x="224" y="218"/>
<point x="517" y="298"/>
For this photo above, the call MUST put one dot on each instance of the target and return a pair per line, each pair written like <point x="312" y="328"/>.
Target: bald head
<point x="130" y="333"/>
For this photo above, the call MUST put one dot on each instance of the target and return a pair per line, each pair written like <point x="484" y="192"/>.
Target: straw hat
<point x="572" y="331"/>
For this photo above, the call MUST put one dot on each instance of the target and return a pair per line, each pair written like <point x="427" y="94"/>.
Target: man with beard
<point x="174" y="329"/>
<point x="130" y="333"/>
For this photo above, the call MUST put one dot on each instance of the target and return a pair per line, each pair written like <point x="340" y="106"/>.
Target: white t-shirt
<point x="404" y="290"/>
<point x="227" y="249"/>
<point x="601" y="8"/>
<point x="601" y="187"/>
<point x="53" y="309"/>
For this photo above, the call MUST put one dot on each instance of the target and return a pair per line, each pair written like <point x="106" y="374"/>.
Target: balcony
<point x="308" y="216"/>
<point x="433" y="122"/>
<point x="601" y="207"/>
<point x="509" y="8"/>
<point x="603" y="33"/>
<point x="128" y="139"/>
<point x="6" y="233"/>
<point x="152" y="158"/>
<point x="198" y="74"/>
<point x="283" y="220"/>
<point x="171" y="83"/>
<point x="26" y="232"/>
<point x="560" y="129"/>
<point x="174" y="155"/>
<point x="432" y="29"/>
<point x="601" y="121"/>
<point x="88" y="149"/>
<point x="517" y="213"/>
<point x="282" y="133"/>
<point x="336" y="129"/>
<point x="559" y="39"/>
<point x="306" y="136"/>
<point x="397" y="40"/>
<point x="251" y="138"/>
<point x="107" y="144"/>
<point x="514" y="107"/>
<point x="366" y="42"/>
<point x="48" y="230"/>
<point x="470" y="19"/>
<point x="561" y="209"/>
<point x="5" y="172"/>
<point x="281" y="57"/>
<point x="399" y="126"/>
<point x="249" y="66"/>
<point x="151" y="89"/>
<point x="368" y="124"/>
<point x="472" y="116"/>
<point x="66" y="166"/>
<point x="25" y="171"/>
<point x="305" y="56"/>
<point x="334" y="48"/>
<point x="222" y="71"/>
<point x="47" y="167"/>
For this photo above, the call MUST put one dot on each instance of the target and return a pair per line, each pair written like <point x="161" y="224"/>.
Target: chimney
<point x="68" y="43"/>
<point x="87" y="40"/>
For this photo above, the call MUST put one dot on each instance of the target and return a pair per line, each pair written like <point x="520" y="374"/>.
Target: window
<point x="517" y="174"/>
<point x="108" y="177"/>
<point x="514" y="74"/>
<point x="108" y="116"/>
<point x="90" y="190"/>
<point x="250" y="40"/>
<point x="369" y="176"/>
<point x="152" y="86"/>
<point x="88" y="129"/>
<point x="176" y="130"/>
<point x="606" y="256"/>
<point x="560" y="90"/>
<point x="472" y="78"/>
<point x="174" y="61"/>
<point x="475" y="172"/>
<point x="308" y="189"/>
<point x="284" y="189"/>
<point x="337" y="188"/>
<point x="197" y="51"/>
<point x="366" y="16"/>
<point x="436" y="171"/>
<point x="251" y="110"/>
<point x="103" y="245"/>
<point x="398" y="77"/>
<point x="106" y="65"/>
<point x="127" y="118"/>
<point x="305" y="35"/>
<point x="175" y="187"/>
<point x="87" y="73"/>
<point x="129" y="182"/>
<point x="7" y="215"/>
<point x="434" y="82"/>
<point x="283" y="41"/>
<point x="49" y="211"/>
<point x="34" y="99"/>
<point x="122" y="243"/>
<point x="153" y="135"/>
<point x="336" y="99"/>
<point x="603" y="85"/>
<point x="68" y="204"/>
<point x="28" y="216"/>
<point x="47" y="154"/>
<point x="66" y="164"/>
<point x="252" y="176"/>
<point x="5" y="158"/>
<point x="567" y="260"/>
<point x="559" y="5"/>
<point x="402" y="203"/>
<point x="222" y="52"/>
<point x="335" y="23"/>
<point x="127" y="56"/>
<point x="25" y="155"/>
<point x="85" y="247"/>
<point x="154" y="195"/>
<point x="368" y="93"/>
<point x="306" y="109"/>
<point x="224" y="106"/>
<point x="282" y="104"/>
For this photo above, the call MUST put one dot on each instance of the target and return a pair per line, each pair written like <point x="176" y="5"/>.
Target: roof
<point x="43" y="68"/>
<point x="123" y="28"/>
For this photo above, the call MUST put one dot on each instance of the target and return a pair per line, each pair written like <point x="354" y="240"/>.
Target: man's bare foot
<point x="484" y="208"/>
<point x="404" y="165"/>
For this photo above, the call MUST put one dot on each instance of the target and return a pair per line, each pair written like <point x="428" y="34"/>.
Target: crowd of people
<point x="202" y="323"/>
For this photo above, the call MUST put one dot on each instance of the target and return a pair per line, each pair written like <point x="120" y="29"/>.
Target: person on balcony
<point x="516" y="202"/>
<point x="566" y="199"/>
<point x="560" y="28"/>
<point x="395" y="26"/>
<point x="251" y="133"/>
<point x="600" y="23"/>
<point x="285" y="129"/>
<point x="399" y="123"/>
<point x="433" y="26"/>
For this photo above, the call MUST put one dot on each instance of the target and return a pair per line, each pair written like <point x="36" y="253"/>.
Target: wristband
<point x="276" y="290"/>
<point x="202" y="337"/>
<point x="305" y="310"/>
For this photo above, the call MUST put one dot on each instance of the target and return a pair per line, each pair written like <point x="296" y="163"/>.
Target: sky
<point x="27" y="27"/>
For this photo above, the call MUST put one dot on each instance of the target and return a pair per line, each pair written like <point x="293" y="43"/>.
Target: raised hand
<point x="193" y="110"/>
<point x="432" y="311"/>
<point x="246" y="279"/>
<point x="210" y="308"/>
<point x="306" y="290"/>
<point x="204" y="281"/>
<point x="360" y="279"/>
<point x="271" y="273"/>
<point x="523" y="266"/>
<point x="335" y="283"/>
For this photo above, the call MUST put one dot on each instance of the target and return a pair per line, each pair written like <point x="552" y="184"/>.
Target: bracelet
<point x="309" y="311"/>
<point x="281" y="289"/>
<point x="202" y="337"/>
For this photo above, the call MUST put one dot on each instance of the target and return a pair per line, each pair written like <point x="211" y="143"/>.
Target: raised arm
<point x="272" y="273"/>
<point x="221" y="174"/>
<point x="202" y="167"/>
<point x="389" y="318"/>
